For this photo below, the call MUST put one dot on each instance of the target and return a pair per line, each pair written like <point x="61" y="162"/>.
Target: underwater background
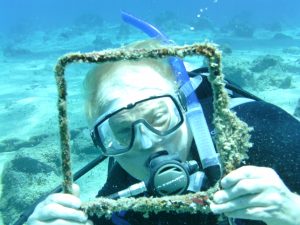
<point x="259" y="39"/>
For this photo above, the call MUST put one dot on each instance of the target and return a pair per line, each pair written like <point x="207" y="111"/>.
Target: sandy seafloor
<point x="28" y="114"/>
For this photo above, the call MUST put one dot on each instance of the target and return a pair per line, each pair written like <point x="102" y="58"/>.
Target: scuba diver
<point x="139" y="115"/>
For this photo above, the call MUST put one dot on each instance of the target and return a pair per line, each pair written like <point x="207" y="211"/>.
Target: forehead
<point x="132" y="83"/>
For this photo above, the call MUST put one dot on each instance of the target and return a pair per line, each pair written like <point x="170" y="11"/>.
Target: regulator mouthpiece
<point x="168" y="175"/>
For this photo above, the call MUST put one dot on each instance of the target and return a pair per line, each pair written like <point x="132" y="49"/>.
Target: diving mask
<point x="114" y="132"/>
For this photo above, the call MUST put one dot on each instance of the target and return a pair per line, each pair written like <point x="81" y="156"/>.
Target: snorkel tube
<point x="195" y="115"/>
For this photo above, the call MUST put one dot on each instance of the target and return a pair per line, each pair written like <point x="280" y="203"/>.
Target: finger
<point x="89" y="222"/>
<point x="245" y="172"/>
<point x="243" y="187"/>
<point x="61" y="222"/>
<point x="255" y="213"/>
<point x="76" y="190"/>
<point x="241" y="203"/>
<point x="56" y="211"/>
<point x="66" y="200"/>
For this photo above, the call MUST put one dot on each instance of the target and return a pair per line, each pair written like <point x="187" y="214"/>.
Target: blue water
<point x="260" y="41"/>
<point x="59" y="13"/>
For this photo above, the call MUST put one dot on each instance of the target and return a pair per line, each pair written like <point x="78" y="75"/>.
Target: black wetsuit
<point x="276" y="144"/>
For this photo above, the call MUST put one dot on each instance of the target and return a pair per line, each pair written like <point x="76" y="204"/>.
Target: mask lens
<point x="161" y="115"/>
<point x="114" y="140"/>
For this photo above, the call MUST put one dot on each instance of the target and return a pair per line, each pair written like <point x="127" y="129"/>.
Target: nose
<point x="145" y="138"/>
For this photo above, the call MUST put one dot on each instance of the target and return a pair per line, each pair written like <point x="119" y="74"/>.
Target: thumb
<point x="76" y="190"/>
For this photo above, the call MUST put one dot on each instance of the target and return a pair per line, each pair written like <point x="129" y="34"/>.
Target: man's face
<point x="133" y="83"/>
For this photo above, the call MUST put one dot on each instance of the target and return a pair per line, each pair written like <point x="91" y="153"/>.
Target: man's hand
<point x="59" y="209"/>
<point x="257" y="193"/>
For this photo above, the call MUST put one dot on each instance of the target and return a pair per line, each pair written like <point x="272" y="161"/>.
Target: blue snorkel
<point x="195" y="115"/>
